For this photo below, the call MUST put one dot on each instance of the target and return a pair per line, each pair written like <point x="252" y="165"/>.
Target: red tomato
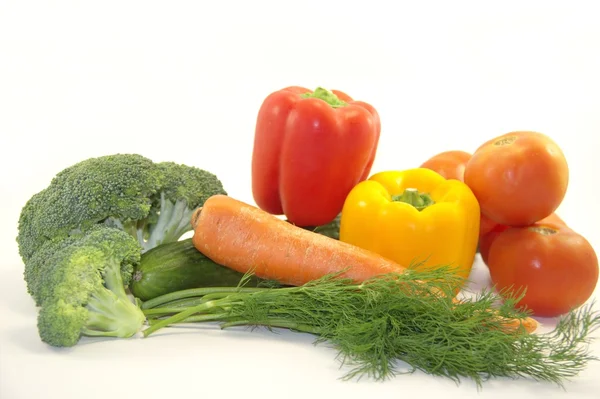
<point x="486" y="225"/>
<point x="557" y="266"/>
<point x="552" y="218"/>
<point x="486" y="240"/>
<point x="449" y="164"/>
<point x="518" y="178"/>
<point x="487" y="236"/>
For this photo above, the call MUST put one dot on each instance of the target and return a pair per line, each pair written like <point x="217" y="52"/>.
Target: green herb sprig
<point x="397" y="323"/>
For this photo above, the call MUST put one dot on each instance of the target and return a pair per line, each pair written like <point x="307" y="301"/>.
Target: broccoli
<point x="182" y="191"/>
<point x="151" y="201"/>
<point x="82" y="236"/>
<point x="80" y="287"/>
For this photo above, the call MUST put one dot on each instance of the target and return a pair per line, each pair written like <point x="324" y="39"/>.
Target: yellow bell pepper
<point x="414" y="217"/>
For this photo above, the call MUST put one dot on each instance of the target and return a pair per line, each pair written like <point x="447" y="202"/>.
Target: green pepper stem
<point x="327" y="96"/>
<point x="413" y="197"/>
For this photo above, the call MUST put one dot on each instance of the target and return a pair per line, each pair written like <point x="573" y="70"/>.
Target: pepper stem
<point x="413" y="197"/>
<point x="327" y="96"/>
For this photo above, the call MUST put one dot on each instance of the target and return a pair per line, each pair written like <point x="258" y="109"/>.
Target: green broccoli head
<point x="39" y="263"/>
<point x="188" y="184"/>
<point x="87" y="193"/>
<point x="81" y="291"/>
<point x="60" y="323"/>
<point x="151" y="201"/>
<point x="44" y="266"/>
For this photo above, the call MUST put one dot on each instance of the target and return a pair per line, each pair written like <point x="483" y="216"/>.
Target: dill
<point x="391" y="322"/>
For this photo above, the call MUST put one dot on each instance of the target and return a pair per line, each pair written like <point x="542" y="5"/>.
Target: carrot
<point x="528" y="323"/>
<point x="246" y="238"/>
<point x="510" y="325"/>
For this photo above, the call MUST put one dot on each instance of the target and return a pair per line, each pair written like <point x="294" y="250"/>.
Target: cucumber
<point x="331" y="229"/>
<point x="178" y="266"/>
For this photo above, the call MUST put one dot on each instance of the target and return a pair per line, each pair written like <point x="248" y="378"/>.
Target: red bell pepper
<point x="310" y="150"/>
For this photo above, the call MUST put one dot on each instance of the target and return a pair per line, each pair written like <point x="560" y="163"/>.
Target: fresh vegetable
<point x="246" y="238"/>
<point x="452" y="165"/>
<point x="250" y="240"/>
<point x="177" y="266"/>
<point x="413" y="216"/>
<point x="518" y="178"/>
<point x="449" y="164"/>
<point x="556" y="266"/>
<point x="151" y="201"/>
<point x="486" y="239"/>
<point x="371" y="266"/>
<point x="93" y="220"/>
<point x="554" y="219"/>
<point x="80" y="287"/>
<point x="331" y="229"/>
<point x="396" y="317"/>
<point x="310" y="149"/>
<point x="486" y="225"/>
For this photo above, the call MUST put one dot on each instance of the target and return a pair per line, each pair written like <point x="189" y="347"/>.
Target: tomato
<point x="518" y="177"/>
<point x="449" y="164"/>
<point x="552" y="218"/>
<point x="486" y="240"/>
<point x="557" y="266"/>
<point x="489" y="233"/>
<point x="486" y="225"/>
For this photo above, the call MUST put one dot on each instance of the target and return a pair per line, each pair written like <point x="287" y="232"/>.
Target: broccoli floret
<point x="40" y="262"/>
<point x="184" y="189"/>
<point x="81" y="291"/>
<point x="151" y="201"/>
<point x="60" y="324"/>
<point x="85" y="194"/>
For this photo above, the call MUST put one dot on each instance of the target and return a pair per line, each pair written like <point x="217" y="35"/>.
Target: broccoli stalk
<point x="183" y="190"/>
<point x="110" y="311"/>
<point x="171" y="222"/>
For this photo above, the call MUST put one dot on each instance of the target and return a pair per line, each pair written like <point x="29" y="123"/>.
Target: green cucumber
<point x="178" y="266"/>
<point x="331" y="229"/>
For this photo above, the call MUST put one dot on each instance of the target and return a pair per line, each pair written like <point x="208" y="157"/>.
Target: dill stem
<point x="161" y="311"/>
<point x="205" y="317"/>
<point x="184" y="303"/>
<point x="182" y="315"/>
<point x="195" y="292"/>
<point x="196" y="318"/>
<point x="275" y="323"/>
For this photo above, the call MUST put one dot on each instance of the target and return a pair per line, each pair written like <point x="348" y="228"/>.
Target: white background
<point x="183" y="81"/>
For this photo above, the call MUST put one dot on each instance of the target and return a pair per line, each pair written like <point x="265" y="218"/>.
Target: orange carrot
<point x="510" y="325"/>
<point x="243" y="238"/>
